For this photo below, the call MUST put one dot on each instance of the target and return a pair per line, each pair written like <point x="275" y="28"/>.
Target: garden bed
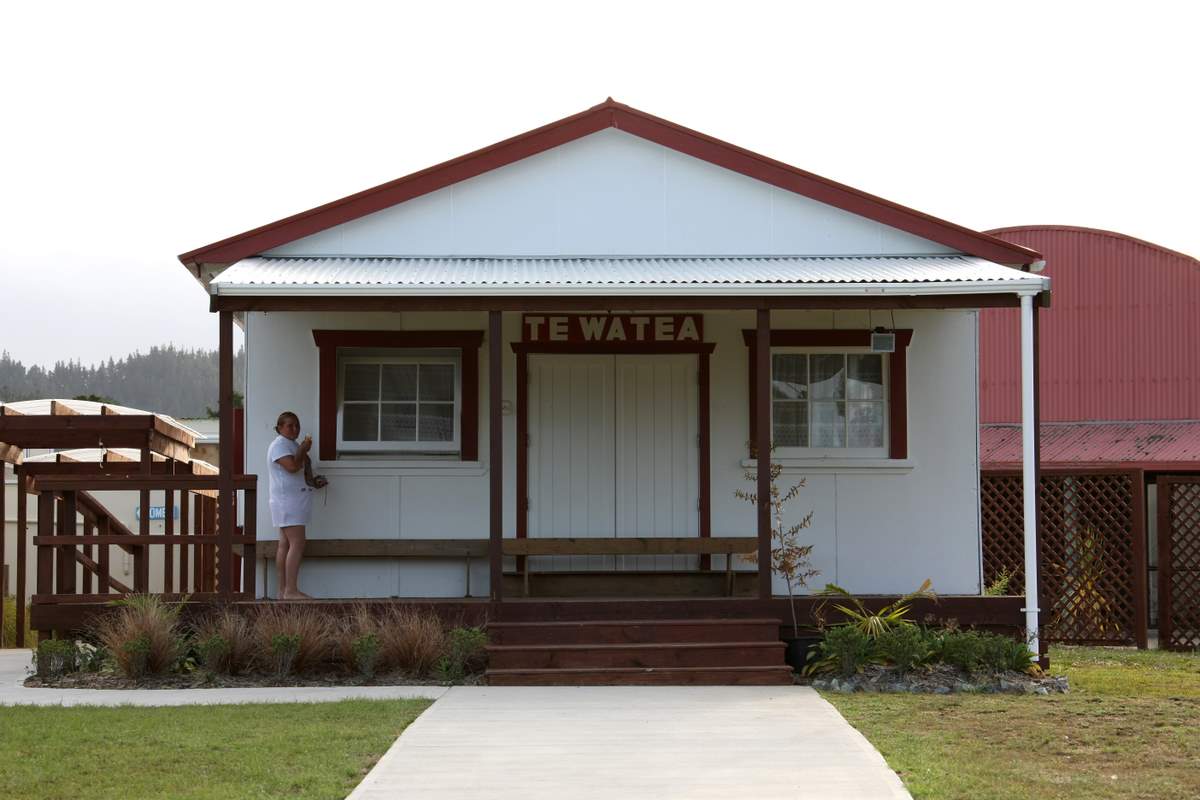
<point x="144" y="645"/>
<point x="942" y="679"/>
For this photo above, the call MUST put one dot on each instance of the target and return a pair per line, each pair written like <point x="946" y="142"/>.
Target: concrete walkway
<point x="14" y="669"/>
<point x="629" y="742"/>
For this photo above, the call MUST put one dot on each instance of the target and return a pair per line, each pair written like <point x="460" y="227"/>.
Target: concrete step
<point x="662" y="654"/>
<point x="648" y="631"/>
<point x="632" y="676"/>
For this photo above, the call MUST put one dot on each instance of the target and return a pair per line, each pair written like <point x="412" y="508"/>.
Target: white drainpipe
<point x="1029" y="473"/>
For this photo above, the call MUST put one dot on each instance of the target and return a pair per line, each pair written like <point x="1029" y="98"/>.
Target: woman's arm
<point x="296" y="463"/>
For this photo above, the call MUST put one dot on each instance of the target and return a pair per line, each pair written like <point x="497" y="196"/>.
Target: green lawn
<point x="295" y="750"/>
<point x="1130" y="728"/>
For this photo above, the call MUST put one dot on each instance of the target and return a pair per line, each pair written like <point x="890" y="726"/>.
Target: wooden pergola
<point x="123" y="449"/>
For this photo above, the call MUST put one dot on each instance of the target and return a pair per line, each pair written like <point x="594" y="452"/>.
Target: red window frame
<point x="897" y="374"/>
<point x="467" y="342"/>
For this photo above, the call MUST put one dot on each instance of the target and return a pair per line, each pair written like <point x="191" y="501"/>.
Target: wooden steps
<point x="637" y="651"/>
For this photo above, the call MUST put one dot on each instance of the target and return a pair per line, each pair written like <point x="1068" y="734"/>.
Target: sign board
<point x="583" y="328"/>
<point x="156" y="513"/>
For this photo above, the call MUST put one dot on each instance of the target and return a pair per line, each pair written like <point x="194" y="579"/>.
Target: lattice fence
<point x="1092" y="551"/>
<point x="1179" y="562"/>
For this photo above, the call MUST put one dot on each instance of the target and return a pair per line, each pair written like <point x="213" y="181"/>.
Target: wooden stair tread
<point x="632" y="646"/>
<point x="649" y="621"/>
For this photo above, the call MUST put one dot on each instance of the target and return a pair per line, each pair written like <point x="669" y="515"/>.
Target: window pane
<point x="400" y="382"/>
<point x="399" y="423"/>
<point x="789" y="421"/>
<point x="362" y="382"/>
<point x="360" y="422"/>
<point x="437" y="422"/>
<point x="437" y="382"/>
<point x="866" y="424"/>
<point x="828" y="424"/>
<point x="789" y="376"/>
<point x="865" y="380"/>
<point x="827" y="381"/>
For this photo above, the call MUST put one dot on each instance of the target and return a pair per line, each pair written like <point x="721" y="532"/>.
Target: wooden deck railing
<point x="205" y="550"/>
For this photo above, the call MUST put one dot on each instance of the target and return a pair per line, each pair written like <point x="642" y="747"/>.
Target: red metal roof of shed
<point x="1120" y="342"/>
<point x="1150" y="445"/>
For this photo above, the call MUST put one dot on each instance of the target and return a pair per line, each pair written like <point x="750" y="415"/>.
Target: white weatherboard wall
<point x="880" y="529"/>
<point x="610" y="193"/>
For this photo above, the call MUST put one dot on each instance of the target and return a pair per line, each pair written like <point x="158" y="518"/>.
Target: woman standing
<point x="290" y="501"/>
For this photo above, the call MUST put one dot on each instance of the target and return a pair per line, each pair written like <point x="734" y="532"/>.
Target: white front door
<point x="613" y="452"/>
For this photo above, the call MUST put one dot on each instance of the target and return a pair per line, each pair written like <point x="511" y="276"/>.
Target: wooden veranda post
<point x="226" y="505"/>
<point x="495" y="457"/>
<point x="22" y="535"/>
<point x="762" y="448"/>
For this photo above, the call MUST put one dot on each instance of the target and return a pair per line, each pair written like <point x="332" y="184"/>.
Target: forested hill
<point x="170" y="380"/>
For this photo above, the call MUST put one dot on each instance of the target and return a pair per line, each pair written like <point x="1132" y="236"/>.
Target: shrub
<point x="846" y="649"/>
<point x="55" y="658"/>
<point x="348" y="630"/>
<point x="366" y="654"/>
<point x="143" y="635"/>
<point x="1000" y="584"/>
<point x="225" y="643"/>
<point x="411" y="639"/>
<point x="962" y="649"/>
<point x="905" y="646"/>
<point x="9" y="604"/>
<point x="285" y="647"/>
<point x="466" y="653"/>
<point x="292" y="638"/>
<point x="1002" y="653"/>
<point x="874" y="623"/>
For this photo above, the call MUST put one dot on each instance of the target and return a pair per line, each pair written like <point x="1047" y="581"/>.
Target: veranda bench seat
<point x="727" y="546"/>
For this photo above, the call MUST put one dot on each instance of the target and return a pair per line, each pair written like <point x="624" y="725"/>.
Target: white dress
<point x="291" y="497"/>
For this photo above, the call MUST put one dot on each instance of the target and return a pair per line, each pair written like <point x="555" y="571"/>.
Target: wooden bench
<point x="728" y="546"/>
<point x="388" y="548"/>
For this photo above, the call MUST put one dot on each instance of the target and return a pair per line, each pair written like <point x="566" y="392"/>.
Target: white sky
<point x="130" y="133"/>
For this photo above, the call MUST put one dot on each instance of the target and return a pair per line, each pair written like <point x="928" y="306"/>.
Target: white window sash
<point x="417" y="446"/>
<point x="834" y="452"/>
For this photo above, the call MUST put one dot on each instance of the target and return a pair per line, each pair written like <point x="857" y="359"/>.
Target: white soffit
<point x="796" y="275"/>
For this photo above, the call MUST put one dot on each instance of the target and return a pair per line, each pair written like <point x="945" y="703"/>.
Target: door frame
<point x="702" y="350"/>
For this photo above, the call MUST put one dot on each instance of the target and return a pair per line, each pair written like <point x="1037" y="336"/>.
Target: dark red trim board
<point x="897" y="372"/>
<point x="329" y="341"/>
<point x="609" y="114"/>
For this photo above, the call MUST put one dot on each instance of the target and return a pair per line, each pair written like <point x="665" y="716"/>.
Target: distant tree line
<point x="169" y="380"/>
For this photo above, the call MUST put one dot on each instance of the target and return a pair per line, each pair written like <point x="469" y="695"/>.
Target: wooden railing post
<point x="89" y="550"/>
<point x="45" y="555"/>
<point x="762" y="413"/>
<point x="184" y="518"/>
<point x="22" y="539"/>
<point x="104" y="529"/>
<point x="495" y="455"/>
<point x="249" y="549"/>
<point x="227" y="503"/>
<point x="169" y="549"/>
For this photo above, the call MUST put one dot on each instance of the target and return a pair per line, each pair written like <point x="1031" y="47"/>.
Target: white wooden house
<point x="578" y="332"/>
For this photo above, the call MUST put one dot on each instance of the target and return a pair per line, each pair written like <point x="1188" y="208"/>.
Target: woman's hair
<point x="284" y="417"/>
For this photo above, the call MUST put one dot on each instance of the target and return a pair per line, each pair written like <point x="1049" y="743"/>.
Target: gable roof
<point x="609" y="114"/>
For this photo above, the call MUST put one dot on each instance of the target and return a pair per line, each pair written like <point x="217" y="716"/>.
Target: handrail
<point x="117" y="483"/>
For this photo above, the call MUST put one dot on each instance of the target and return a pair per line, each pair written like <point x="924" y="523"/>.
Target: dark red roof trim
<point x="609" y="114"/>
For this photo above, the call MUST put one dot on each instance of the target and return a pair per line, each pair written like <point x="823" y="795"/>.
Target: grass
<point x="301" y="750"/>
<point x="1129" y="729"/>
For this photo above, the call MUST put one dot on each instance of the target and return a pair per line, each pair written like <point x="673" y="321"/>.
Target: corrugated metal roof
<point x="88" y="408"/>
<point x="95" y="455"/>
<point x="1143" y="443"/>
<point x="1119" y="342"/>
<point x="694" y="275"/>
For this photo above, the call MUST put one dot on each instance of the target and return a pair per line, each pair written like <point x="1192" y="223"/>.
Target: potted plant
<point x="789" y="558"/>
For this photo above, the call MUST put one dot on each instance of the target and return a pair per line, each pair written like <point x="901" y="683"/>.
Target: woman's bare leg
<point x="295" y="537"/>
<point x="281" y="555"/>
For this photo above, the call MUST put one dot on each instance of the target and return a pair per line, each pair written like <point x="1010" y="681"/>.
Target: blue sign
<point x="156" y="513"/>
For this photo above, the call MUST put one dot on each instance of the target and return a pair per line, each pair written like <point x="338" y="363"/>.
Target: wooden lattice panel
<point x="1090" y="529"/>
<point x="1180" y="554"/>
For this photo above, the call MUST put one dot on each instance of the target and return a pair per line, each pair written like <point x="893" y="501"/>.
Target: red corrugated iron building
<point x="1119" y="346"/>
